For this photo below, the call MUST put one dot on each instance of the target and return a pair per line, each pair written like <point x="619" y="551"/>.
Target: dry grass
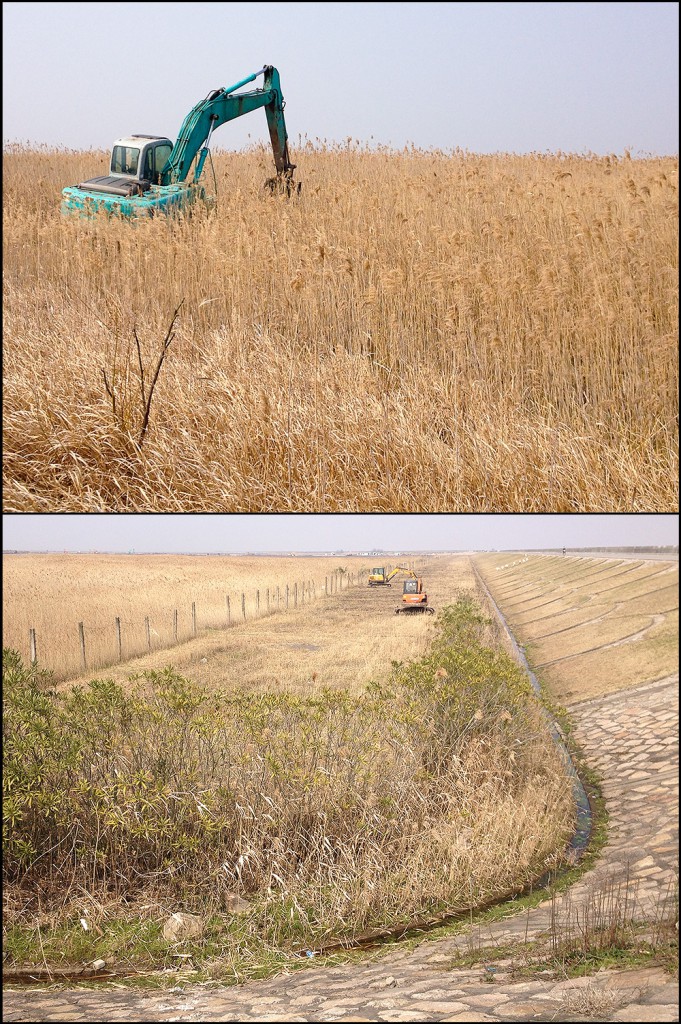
<point x="654" y="656"/>
<point x="341" y="640"/>
<point x="417" y="330"/>
<point x="52" y="593"/>
<point x="596" y="626"/>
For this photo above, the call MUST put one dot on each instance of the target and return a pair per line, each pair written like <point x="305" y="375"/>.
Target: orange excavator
<point x="414" y="598"/>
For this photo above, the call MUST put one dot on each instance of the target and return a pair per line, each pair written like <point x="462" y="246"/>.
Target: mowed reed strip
<point x="53" y="593"/>
<point x="341" y="640"/>
<point x="416" y="330"/>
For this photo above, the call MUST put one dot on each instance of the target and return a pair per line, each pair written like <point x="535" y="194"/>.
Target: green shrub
<point x="442" y="787"/>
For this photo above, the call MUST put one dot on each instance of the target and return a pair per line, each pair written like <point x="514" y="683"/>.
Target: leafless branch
<point x="164" y="348"/>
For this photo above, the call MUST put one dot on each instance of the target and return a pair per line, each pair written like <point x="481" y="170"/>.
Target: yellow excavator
<point x="414" y="598"/>
<point x="379" y="577"/>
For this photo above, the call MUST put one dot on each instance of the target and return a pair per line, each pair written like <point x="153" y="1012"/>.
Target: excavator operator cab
<point x="414" y="598"/>
<point x="412" y="593"/>
<point x="377" y="578"/>
<point x="141" y="157"/>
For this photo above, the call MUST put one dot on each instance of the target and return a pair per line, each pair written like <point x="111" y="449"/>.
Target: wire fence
<point x="99" y="645"/>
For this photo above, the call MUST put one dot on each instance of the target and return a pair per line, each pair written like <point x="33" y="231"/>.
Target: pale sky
<point x="300" y="533"/>
<point x="485" y="77"/>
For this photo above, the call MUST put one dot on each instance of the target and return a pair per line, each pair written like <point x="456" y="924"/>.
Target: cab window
<point x="148" y="172"/>
<point x="124" y="160"/>
<point x="161" y="158"/>
<point x="155" y="161"/>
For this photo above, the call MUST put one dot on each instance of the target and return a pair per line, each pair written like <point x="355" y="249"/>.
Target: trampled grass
<point x="416" y="330"/>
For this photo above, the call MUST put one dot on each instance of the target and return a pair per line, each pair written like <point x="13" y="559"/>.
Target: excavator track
<point x="415" y="608"/>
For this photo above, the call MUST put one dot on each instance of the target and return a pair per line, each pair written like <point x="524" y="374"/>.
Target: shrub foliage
<point x="330" y="812"/>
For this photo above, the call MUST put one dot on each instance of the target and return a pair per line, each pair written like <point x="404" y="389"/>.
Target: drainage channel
<point x="580" y="838"/>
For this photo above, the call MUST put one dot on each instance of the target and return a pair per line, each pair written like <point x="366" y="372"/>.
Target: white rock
<point x="182" y="926"/>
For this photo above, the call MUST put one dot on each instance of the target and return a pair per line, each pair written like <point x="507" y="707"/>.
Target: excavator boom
<point x="224" y="105"/>
<point x="400" y="568"/>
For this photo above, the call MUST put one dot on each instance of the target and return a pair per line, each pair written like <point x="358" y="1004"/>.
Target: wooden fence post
<point x="243" y="605"/>
<point x="229" y="613"/>
<point x="287" y="597"/>
<point x="119" y="644"/>
<point x="175" y="625"/>
<point x="32" y="646"/>
<point x="257" y="602"/>
<point x="268" y="601"/>
<point x="148" y="629"/>
<point x="193" y="618"/>
<point x="81" y="634"/>
<point x="295" y="595"/>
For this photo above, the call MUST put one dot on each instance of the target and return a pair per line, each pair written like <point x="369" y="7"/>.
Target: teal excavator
<point x="148" y="174"/>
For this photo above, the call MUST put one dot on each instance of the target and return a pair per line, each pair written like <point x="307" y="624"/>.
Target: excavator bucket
<point x="283" y="185"/>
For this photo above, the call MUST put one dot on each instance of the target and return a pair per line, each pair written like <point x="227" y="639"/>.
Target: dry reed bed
<point x="52" y="593"/>
<point x="339" y="642"/>
<point x="417" y="330"/>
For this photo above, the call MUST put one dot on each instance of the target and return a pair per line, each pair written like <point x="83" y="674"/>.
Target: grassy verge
<point x="286" y="823"/>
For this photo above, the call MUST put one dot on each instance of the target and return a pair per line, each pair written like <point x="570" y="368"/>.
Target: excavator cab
<point x="414" y="598"/>
<point x="412" y="592"/>
<point x="136" y="165"/>
<point x="141" y="157"/>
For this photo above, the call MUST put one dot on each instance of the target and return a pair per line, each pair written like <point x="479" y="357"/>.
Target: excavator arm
<point x="399" y="568"/>
<point x="224" y="105"/>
